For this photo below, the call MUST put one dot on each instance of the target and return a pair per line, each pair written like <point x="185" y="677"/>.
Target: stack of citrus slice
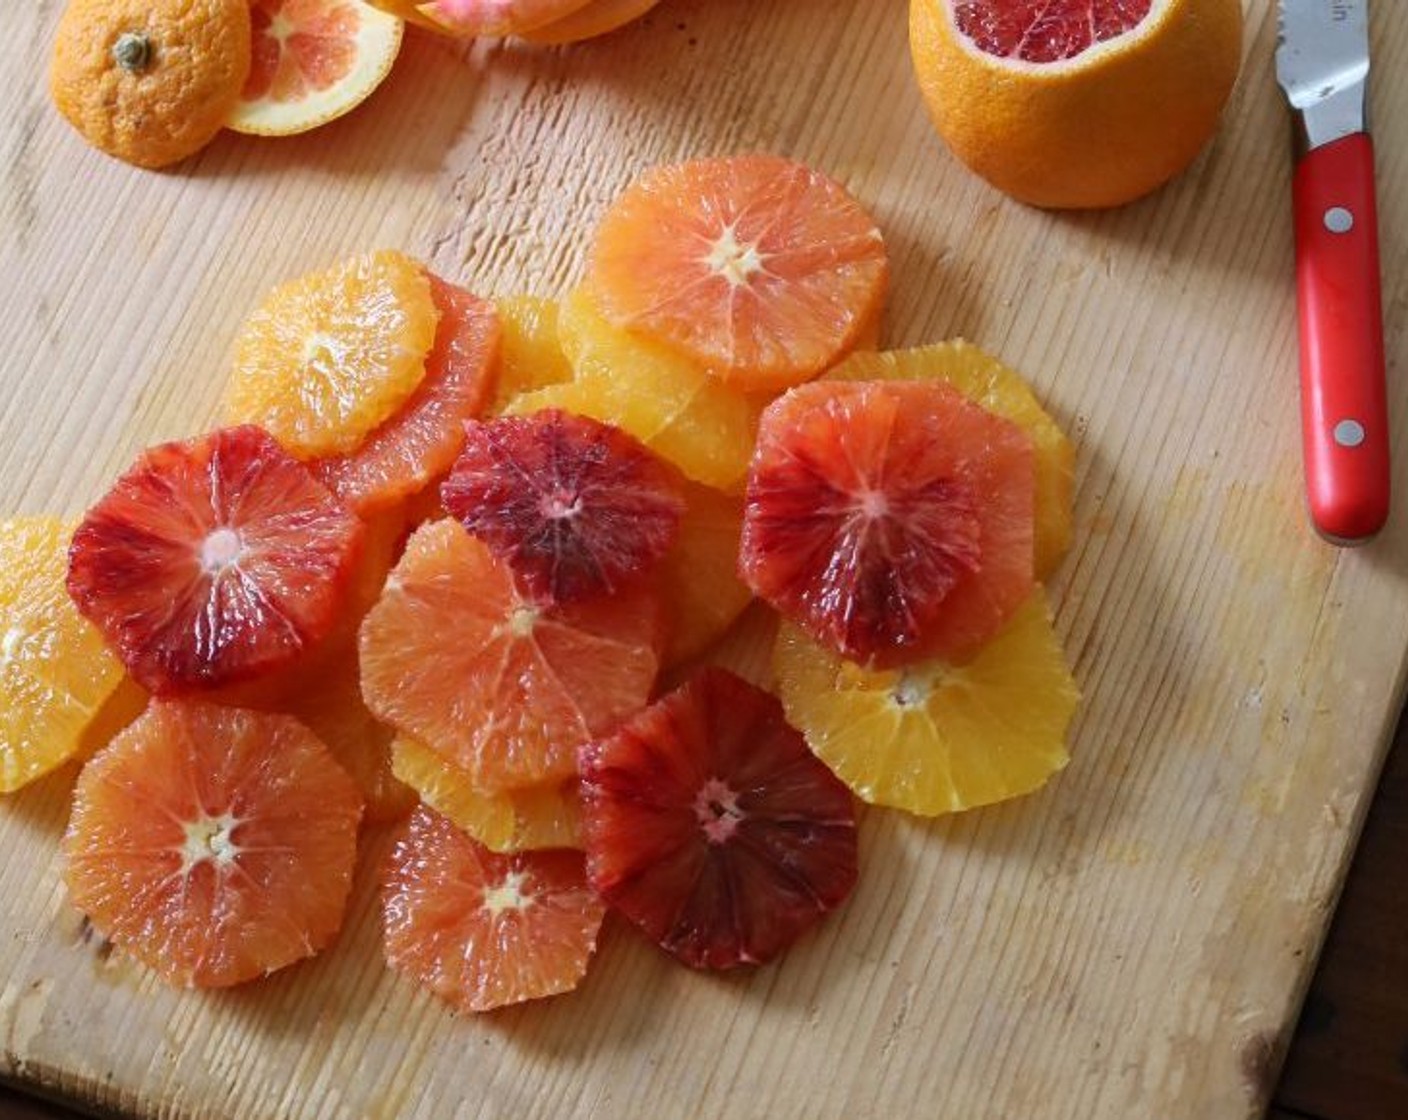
<point x="441" y="553"/>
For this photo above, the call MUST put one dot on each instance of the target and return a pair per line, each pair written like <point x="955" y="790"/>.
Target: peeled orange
<point x="1070" y="105"/>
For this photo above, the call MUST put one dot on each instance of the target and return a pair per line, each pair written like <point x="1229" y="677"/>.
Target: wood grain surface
<point x="1131" y="942"/>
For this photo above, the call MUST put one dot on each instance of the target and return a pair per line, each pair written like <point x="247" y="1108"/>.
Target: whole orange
<point x="1070" y="104"/>
<point x="150" y="81"/>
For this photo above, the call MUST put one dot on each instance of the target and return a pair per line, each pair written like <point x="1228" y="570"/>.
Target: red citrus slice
<point x="890" y="520"/>
<point x="213" y="844"/>
<point x="420" y="441"/>
<point x="709" y="824"/>
<point x="762" y="269"/>
<point x="503" y="688"/>
<point x="312" y="61"/>
<point x="213" y="561"/>
<point x="483" y="930"/>
<point x="575" y="507"/>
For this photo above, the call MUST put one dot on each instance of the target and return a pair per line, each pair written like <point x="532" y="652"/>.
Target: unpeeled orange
<point x="1074" y="104"/>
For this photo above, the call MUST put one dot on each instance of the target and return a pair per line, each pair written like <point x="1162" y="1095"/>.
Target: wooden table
<point x="1134" y="941"/>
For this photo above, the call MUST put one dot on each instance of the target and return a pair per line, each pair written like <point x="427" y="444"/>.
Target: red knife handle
<point x="1344" y="413"/>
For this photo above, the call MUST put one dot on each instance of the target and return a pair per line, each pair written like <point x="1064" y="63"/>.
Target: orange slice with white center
<point x="313" y="61"/>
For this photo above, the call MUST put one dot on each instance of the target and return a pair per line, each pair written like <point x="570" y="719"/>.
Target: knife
<point x="1322" y="64"/>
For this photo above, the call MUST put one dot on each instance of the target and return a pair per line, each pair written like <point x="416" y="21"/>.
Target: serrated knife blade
<point x="1322" y="64"/>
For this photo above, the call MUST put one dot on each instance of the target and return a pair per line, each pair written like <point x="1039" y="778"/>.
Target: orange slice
<point x="933" y="737"/>
<point x="1069" y="103"/>
<point x="504" y="689"/>
<point x="761" y="269"/>
<point x="531" y="356"/>
<point x="313" y="61"/>
<point x="699" y="575"/>
<point x="328" y="357"/>
<point x="986" y="381"/>
<point x="482" y="930"/>
<point x="513" y="820"/>
<point x="333" y="709"/>
<point x="213" y="844"/>
<point x="55" y="673"/>
<point x="418" y="443"/>
<point x="664" y="399"/>
<point x="600" y="17"/>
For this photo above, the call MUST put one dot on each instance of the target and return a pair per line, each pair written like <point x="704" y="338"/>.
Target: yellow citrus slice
<point x="1001" y="390"/>
<point x="665" y="400"/>
<point x="512" y="820"/>
<point x="699" y="575"/>
<point x="1066" y="103"/>
<point x="600" y="17"/>
<point x="934" y="738"/>
<point x="329" y="356"/>
<point x="530" y="354"/>
<point x="55" y="672"/>
<point x="313" y="61"/>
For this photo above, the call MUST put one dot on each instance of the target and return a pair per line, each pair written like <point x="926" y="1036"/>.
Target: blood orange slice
<point x="760" y="268"/>
<point x="1001" y="390"/>
<point x="482" y="930"/>
<point x="213" y="561"/>
<point x="709" y="824"/>
<point x="575" y="507"/>
<point x="889" y="519"/>
<point x="312" y="61"/>
<point x="419" y="442"/>
<point x="503" y="688"/>
<point x="213" y="844"/>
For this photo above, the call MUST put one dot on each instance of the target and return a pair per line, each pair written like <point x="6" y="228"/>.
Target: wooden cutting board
<point x="1132" y="942"/>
